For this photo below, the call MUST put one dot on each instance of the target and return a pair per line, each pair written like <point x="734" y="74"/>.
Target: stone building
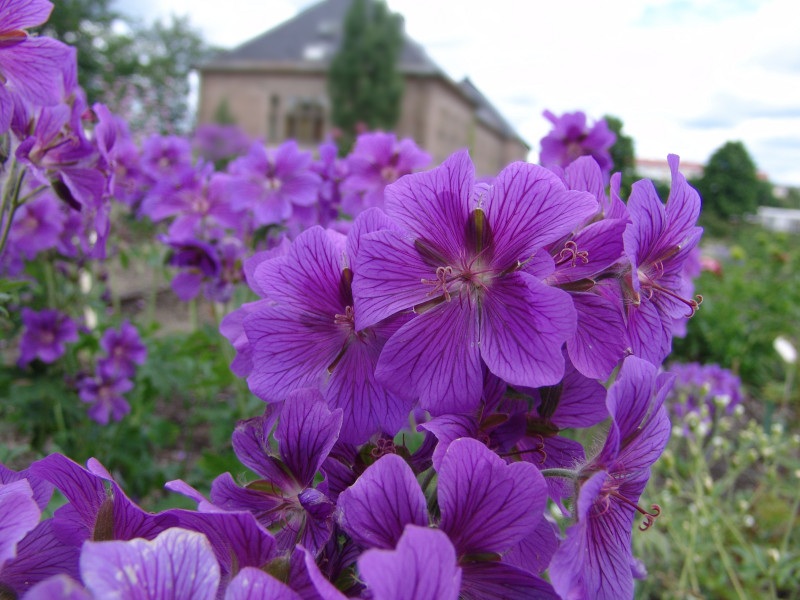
<point x="275" y="88"/>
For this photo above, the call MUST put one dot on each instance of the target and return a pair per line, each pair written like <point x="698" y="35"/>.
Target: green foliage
<point x="623" y="154"/>
<point x="730" y="186"/>
<point x="140" y="71"/>
<point x="223" y="114"/>
<point x="364" y="84"/>
<point x="754" y="299"/>
<point x="87" y="25"/>
<point x="729" y="504"/>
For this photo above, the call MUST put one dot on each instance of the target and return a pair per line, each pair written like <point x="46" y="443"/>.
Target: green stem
<point x="565" y="473"/>
<point x="10" y="202"/>
<point x="193" y="313"/>
<point x="50" y="283"/>
<point x="428" y="478"/>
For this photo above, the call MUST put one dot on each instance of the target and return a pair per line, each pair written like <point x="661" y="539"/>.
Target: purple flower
<point x="30" y="66"/>
<point x="270" y="182"/>
<point x="164" y="156"/>
<point x="594" y="561"/>
<point x="377" y="160"/>
<point x="699" y="385"/>
<point x="197" y="260"/>
<point x="125" y="350"/>
<point x="285" y="496"/>
<point x="37" y="225"/>
<point x="216" y="142"/>
<point x="44" y="335"/>
<point x="307" y="338"/>
<point x="658" y="241"/>
<point x="583" y="260"/>
<point x="474" y="491"/>
<point x="105" y="393"/>
<point x="177" y="564"/>
<point x="19" y="514"/>
<point x="461" y="268"/>
<point x="572" y="137"/>
<point x="423" y="567"/>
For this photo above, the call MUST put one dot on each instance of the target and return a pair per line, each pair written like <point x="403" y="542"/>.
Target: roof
<point x="487" y="113"/>
<point x="308" y="41"/>
<point x="314" y="36"/>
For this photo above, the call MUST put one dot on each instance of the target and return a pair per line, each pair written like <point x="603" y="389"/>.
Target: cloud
<point x="728" y="111"/>
<point x="684" y="12"/>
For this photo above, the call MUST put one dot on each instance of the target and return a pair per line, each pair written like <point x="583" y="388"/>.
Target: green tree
<point x="730" y="186"/>
<point x="140" y="71"/>
<point x="364" y="84"/>
<point x="87" y="25"/>
<point x="623" y="155"/>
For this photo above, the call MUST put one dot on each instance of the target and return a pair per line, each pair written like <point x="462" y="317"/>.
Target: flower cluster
<point x="572" y="137"/>
<point x="44" y="334"/>
<point x="490" y="312"/>
<point x="709" y="386"/>
<point x="215" y="216"/>
<point x="104" y="391"/>
<point x="421" y="364"/>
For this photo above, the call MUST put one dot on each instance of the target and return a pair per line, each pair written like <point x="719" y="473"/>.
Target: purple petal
<point x="498" y="581"/>
<point x="312" y="263"/>
<point x="435" y="357"/>
<point x="524" y="325"/>
<point x="18" y="515"/>
<point x="599" y="341"/>
<point x="388" y="273"/>
<point x="434" y="205"/>
<point x="487" y="505"/>
<point x="35" y="67"/>
<point x="24" y="14"/>
<point x="40" y="555"/>
<point x="534" y="551"/>
<point x="448" y="428"/>
<point x="236" y="538"/>
<point x="306" y="432"/>
<point x="42" y="490"/>
<point x="594" y="561"/>
<point x="291" y="349"/>
<point x="254" y="584"/>
<point x="367" y="406"/>
<point x="85" y="491"/>
<point x="58" y="587"/>
<point x="382" y="502"/>
<point x="529" y="207"/>
<point x="251" y="443"/>
<point x="423" y="567"/>
<point x="178" y="564"/>
<point x="648" y="335"/>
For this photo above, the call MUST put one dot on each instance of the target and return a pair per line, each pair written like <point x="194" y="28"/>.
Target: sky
<point x="685" y="76"/>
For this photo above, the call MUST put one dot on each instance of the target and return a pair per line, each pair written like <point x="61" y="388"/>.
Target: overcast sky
<point x="685" y="76"/>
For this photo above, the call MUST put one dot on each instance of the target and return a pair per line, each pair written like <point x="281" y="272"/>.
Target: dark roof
<point x="314" y="36"/>
<point x="311" y="38"/>
<point x="487" y="113"/>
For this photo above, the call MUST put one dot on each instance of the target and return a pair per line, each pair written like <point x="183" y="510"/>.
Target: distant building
<point x="275" y="88"/>
<point x="659" y="169"/>
<point x="779" y="219"/>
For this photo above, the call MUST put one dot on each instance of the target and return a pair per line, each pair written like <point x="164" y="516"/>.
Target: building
<point x="275" y="88"/>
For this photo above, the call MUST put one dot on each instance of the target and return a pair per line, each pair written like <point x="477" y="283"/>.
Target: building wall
<point x="266" y="103"/>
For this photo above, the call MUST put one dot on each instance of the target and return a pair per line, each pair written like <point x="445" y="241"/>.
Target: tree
<point x="364" y="84"/>
<point x="141" y="72"/>
<point x="623" y="155"/>
<point x="730" y="186"/>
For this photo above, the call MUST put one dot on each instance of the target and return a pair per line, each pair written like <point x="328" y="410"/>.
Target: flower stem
<point x="565" y="473"/>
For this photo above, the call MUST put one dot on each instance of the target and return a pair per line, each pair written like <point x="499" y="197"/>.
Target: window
<point x="272" y="127"/>
<point x="305" y="121"/>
